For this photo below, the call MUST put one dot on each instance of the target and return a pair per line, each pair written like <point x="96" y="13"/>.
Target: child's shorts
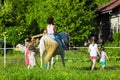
<point x="103" y="63"/>
<point x="93" y="57"/>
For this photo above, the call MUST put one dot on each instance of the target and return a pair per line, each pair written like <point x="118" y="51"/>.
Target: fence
<point x="4" y="51"/>
<point x="67" y="58"/>
<point x="5" y="48"/>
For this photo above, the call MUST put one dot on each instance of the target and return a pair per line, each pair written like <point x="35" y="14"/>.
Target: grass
<point x="77" y="68"/>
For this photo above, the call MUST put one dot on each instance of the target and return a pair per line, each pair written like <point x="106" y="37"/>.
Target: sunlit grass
<point x="77" y="68"/>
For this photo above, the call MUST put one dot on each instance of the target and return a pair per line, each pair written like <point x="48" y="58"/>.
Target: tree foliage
<point x="101" y="3"/>
<point x="72" y="16"/>
<point x="13" y="21"/>
<point x="24" y="18"/>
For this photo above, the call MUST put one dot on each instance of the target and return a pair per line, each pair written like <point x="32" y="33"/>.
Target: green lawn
<point x="77" y="68"/>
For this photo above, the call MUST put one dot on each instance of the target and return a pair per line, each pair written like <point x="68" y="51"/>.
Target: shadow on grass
<point x="113" y="67"/>
<point x="81" y="68"/>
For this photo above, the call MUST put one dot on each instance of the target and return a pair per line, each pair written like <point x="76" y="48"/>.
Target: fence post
<point x="4" y="51"/>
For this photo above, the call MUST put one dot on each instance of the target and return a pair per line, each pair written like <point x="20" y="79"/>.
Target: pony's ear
<point x="66" y="33"/>
<point x="63" y="34"/>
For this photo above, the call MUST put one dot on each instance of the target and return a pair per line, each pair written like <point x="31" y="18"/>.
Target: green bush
<point x="116" y="37"/>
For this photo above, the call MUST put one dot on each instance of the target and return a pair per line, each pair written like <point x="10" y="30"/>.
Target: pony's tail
<point x="51" y="46"/>
<point x="50" y="52"/>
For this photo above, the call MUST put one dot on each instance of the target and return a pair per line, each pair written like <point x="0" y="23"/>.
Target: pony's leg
<point x="52" y="62"/>
<point x="41" y="59"/>
<point x="42" y="49"/>
<point x="47" y="65"/>
<point x="63" y="61"/>
<point x="56" y="57"/>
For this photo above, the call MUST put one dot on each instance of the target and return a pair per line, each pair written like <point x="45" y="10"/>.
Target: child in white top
<point x="103" y="57"/>
<point x="32" y="60"/>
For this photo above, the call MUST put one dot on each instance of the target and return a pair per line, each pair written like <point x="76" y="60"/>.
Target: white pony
<point x="52" y="47"/>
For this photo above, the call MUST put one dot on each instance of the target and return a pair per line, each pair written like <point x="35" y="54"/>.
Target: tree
<point x="101" y="3"/>
<point x="73" y="16"/>
<point x="13" y="21"/>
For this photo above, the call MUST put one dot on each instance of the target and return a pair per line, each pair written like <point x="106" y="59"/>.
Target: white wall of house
<point x="115" y="23"/>
<point x="119" y="20"/>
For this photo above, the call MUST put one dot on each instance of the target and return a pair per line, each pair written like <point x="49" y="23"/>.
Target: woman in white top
<point x="93" y="50"/>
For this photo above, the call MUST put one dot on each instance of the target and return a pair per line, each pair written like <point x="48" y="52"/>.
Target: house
<point x="108" y="19"/>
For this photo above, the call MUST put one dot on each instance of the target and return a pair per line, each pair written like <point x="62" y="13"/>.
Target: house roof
<point x="109" y="6"/>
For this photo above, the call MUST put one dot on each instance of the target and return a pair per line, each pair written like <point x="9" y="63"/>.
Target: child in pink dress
<point x="26" y="56"/>
<point x="27" y="51"/>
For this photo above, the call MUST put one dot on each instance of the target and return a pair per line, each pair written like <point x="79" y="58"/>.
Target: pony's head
<point x="64" y="36"/>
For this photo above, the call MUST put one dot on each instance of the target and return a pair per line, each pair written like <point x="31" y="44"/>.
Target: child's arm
<point x="25" y="52"/>
<point x="98" y="51"/>
<point x="107" y="58"/>
<point x="36" y="36"/>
